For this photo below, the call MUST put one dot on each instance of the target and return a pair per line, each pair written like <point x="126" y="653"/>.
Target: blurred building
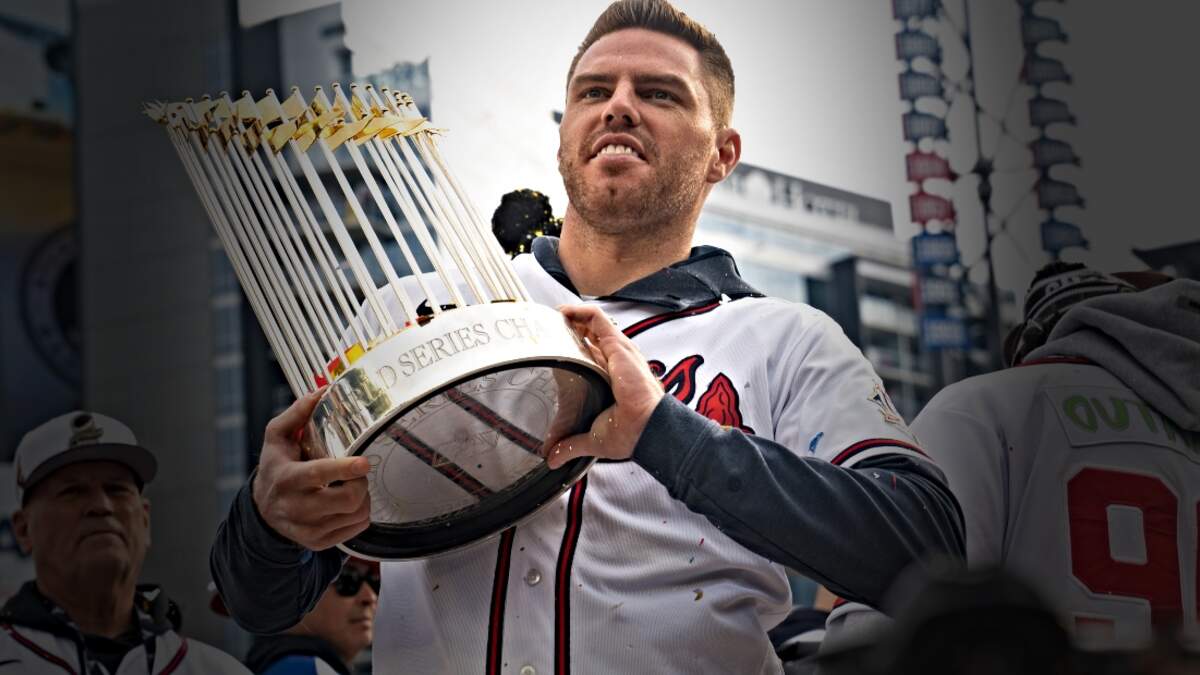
<point x="154" y="300"/>
<point x="1181" y="261"/>
<point x="39" y="318"/>
<point x="836" y="250"/>
<point x="39" y="321"/>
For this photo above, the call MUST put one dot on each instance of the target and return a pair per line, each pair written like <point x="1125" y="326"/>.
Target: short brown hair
<point x="663" y="17"/>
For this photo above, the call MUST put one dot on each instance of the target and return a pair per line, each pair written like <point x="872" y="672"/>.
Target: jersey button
<point x="528" y="670"/>
<point x="533" y="578"/>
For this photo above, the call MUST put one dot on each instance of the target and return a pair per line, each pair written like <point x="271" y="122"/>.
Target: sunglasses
<point x="351" y="580"/>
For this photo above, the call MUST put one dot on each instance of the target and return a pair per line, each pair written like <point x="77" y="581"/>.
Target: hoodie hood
<point x="1149" y="340"/>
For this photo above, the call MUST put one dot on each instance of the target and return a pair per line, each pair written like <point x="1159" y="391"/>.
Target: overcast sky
<point x="817" y="98"/>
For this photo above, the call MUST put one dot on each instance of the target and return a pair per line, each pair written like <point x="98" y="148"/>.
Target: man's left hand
<point x="616" y="431"/>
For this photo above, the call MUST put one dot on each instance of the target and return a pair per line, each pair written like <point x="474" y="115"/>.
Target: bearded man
<point x="768" y="442"/>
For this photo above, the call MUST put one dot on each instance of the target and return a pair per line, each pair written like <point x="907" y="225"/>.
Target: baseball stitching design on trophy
<point x="440" y="368"/>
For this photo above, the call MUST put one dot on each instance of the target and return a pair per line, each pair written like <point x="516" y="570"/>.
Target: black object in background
<point x="523" y="215"/>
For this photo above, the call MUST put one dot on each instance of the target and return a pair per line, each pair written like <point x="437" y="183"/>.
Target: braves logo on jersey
<point x="887" y="409"/>
<point x="720" y="402"/>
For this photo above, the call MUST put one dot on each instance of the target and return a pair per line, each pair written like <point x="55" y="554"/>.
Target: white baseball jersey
<point x="619" y="577"/>
<point x="1070" y="480"/>
<point x="623" y="574"/>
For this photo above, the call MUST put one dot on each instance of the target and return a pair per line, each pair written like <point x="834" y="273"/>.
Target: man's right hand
<point x="316" y="503"/>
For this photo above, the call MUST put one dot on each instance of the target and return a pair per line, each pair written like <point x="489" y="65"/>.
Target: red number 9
<point x="1089" y="495"/>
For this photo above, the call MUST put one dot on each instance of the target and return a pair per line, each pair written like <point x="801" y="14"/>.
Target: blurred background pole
<point x="983" y="171"/>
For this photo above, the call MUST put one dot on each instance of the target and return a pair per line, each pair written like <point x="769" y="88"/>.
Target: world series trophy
<point x="447" y="377"/>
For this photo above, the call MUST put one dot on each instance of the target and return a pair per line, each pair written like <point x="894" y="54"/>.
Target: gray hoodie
<point x="1149" y="340"/>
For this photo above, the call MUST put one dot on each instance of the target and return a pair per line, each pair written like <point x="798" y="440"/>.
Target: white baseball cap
<point x="78" y="436"/>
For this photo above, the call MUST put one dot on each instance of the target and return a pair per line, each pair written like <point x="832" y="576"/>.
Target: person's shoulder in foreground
<point x="82" y="518"/>
<point x="1094" y="422"/>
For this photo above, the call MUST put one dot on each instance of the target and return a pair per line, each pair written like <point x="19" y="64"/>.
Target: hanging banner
<point x="914" y="9"/>
<point x="921" y="166"/>
<point x="1048" y="152"/>
<point x="1055" y="193"/>
<point x="1039" y="70"/>
<point x="934" y="249"/>
<point x="1057" y="235"/>
<point x="1046" y="111"/>
<point x="944" y="332"/>
<point x="933" y="290"/>
<point x="914" y="44"/>
<point x="923" y="125"/>
<point x="1036" y="29"/>
<point x="925" y="207"/>
<point x="914" y="85"/>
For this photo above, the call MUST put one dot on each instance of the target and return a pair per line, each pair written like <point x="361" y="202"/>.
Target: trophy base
<point x="485" y="511"/>
<point x="456" y="418"/>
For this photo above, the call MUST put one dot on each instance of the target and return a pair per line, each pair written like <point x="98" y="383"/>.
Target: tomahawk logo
<point x="720" y="402"/>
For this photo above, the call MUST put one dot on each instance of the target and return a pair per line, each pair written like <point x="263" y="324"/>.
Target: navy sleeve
<point x="853" y="530"/>
<point x="267" y="582"/>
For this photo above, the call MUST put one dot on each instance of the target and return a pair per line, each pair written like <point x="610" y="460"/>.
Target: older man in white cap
<point x="83" y="519"/>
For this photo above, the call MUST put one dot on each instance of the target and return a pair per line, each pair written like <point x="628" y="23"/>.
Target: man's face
<point x="87" y="518"/>
<point x="346" y="622"/>
<point x="637" y="143"/>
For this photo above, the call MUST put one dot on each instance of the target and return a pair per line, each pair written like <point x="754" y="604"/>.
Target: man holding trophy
<point x="747" y="434"/>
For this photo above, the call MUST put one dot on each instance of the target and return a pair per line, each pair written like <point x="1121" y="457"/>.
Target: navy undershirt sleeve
<point x="853" y="530"/>
<point x="267" y="582"/>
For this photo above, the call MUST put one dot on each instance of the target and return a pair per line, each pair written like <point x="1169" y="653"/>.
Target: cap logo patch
<point x="84" y="430"/>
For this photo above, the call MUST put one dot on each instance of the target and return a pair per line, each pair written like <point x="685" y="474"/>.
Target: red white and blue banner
<point x="935" y="249"/>
<point x="1048" y="153"/>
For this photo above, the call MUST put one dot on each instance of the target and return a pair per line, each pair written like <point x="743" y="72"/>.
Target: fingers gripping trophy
<point x="440" y="370"/>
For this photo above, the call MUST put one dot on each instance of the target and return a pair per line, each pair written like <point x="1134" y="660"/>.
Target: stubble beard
<point x="642" y="209"/>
